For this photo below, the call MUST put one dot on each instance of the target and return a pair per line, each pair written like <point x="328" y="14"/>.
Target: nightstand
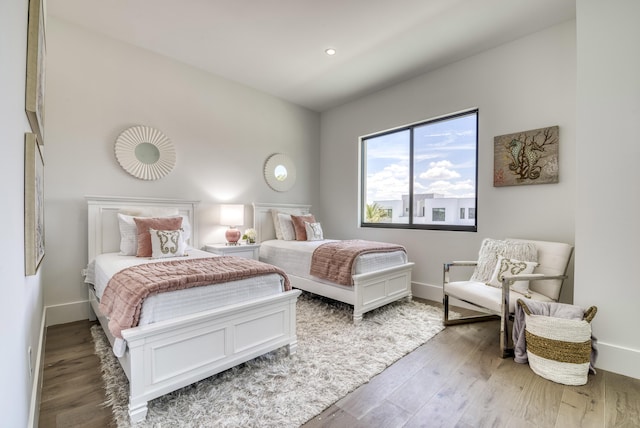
<point x="248" y="251"/>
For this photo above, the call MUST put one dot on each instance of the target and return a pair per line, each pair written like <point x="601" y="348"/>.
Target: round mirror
<point x="280" y="172"/>
<point x="145" y="153"/>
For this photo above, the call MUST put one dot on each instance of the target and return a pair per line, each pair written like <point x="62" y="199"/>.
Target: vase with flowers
<point x="249" y="236"/>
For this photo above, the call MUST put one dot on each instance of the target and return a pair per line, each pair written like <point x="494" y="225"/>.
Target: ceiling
<point x="277" y="46"/>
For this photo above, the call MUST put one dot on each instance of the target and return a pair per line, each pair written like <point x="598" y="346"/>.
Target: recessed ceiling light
<point x="330" y="51"/>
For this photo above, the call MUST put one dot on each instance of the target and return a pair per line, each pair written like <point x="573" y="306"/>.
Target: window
<point x="438" y="214"/>
<point x="441" y="156"/>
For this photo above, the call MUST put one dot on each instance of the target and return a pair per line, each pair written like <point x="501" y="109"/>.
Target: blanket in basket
<point x="555" y="339"/>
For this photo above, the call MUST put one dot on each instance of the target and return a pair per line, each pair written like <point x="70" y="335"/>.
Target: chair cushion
<point x="487" y="297"/>
<point x="553" y="259"/>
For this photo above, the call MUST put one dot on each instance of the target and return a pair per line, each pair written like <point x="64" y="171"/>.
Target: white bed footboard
<point x="369" y="290"/>
<point x="168" y="355"/>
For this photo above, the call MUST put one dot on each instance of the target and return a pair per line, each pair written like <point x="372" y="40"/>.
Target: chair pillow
<point x="512" y="267"/>
<point x="492" y="248"/>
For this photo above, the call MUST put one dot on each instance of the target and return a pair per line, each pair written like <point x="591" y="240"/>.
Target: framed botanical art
<point x="528" y="157"/>
<point x="36" y="53"/>
<point x="33" y="204"/>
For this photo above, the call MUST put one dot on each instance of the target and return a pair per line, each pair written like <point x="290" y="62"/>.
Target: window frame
<point x="362" y="203"/>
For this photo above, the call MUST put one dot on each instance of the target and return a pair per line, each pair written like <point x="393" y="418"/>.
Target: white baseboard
<point x="68" y="312"/>
<point x="427" y="291"/>
<point x="617" y="359"/>
<point x="38" y="374"/>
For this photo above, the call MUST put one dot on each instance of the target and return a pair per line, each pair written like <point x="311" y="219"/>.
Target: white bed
<point x="169" y="354"/>
<point x="377" y="284"/>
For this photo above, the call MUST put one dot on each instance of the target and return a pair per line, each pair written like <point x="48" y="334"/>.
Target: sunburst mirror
<point x="280" y="172"/>
<point x="145" y="152"/>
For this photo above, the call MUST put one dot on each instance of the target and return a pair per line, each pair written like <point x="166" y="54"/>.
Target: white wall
<point x="20" y="296"/>
<point x="223" y="133"/>
<point x="607" y="232"/>
<point x="523" y="85"/>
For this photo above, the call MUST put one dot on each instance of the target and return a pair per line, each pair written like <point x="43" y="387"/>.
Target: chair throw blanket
<point x="122" y="299"/>
<point x="334" y="261"/>
<point x="550" y="309"/>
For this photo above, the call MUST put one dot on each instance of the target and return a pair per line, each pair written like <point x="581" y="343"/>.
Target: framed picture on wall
<point x="33" y="204"/>
<point x="527" y="157"/>
<point x="36" y="53"/>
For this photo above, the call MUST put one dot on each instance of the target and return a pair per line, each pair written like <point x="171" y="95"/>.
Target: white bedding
<point x="294" y="257"/>
<point x="164" y="306"/>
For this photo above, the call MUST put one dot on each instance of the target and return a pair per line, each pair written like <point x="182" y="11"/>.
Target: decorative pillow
<point x="128" y="235"/>
<point x="144" y="224"/>
<point x="286" y="227"/>
<point x="492" y="248"/>
<point x="298" y="225"/>
<point x="166" y="243"/>
<point x="512" y="267"/>
<point x="186" y="229"/>
<point x="314" y="231"/>
<point x="129" y="230"/>
<point x="276" y="224"/>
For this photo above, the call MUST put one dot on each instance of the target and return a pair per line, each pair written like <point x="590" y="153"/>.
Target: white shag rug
<point x="333" y="358"/>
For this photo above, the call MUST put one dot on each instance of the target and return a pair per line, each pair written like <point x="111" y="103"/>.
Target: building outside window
<point x="441" y="155"/>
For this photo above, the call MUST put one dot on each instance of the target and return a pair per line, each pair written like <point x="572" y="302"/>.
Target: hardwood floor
<point x="454" y="380"/>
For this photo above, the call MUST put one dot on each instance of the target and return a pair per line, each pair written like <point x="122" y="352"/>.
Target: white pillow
<point x="276" y="224"/>
<point x="129" y="232"/>
<point x="166" y="243"/>
<point x="314" y="231"/>
<point x="186" y="229"/>
<point x="128" y="235"/>
<point x="286" y="227"/>
<point x="510" y="267"/>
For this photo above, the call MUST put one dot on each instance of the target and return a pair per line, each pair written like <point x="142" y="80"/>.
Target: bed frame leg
<point x="138" y="413"/>
<point x="357" y="317"/>
<point x="292" y="347"/>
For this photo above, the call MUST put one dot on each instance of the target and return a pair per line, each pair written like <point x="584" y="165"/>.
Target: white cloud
<point x="440" y="170"/>
<point x="389" y="183"/>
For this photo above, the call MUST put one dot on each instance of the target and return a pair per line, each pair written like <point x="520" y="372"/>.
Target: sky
<point x="445" y="161"/>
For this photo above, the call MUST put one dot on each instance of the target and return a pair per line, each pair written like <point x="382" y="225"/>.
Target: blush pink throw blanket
<point x="334" y="261"/>
<point x="122" y="299"/>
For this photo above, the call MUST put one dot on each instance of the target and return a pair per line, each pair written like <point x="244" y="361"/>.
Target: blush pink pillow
<point x="298" y="225"/>
<point x="159" y="223"/>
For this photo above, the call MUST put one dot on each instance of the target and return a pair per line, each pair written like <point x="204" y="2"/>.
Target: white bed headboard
<point x="104" y="233"/>
<point x="263" y="219"/>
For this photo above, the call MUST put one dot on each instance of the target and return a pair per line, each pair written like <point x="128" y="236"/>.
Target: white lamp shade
<point x="232" y="215"/>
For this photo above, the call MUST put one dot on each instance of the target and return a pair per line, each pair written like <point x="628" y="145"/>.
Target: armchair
<point x="498" y="301"/>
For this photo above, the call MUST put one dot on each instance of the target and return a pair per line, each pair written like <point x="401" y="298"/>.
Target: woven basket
<point x="559" y="349"/>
